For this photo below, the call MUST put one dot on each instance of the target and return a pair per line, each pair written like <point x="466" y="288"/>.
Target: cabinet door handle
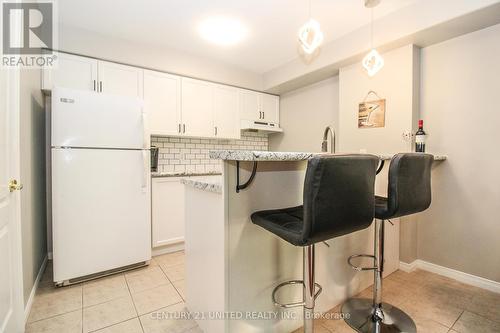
<point x="179" y="128"/>
<point x="263" y="115"/>
<point x="184" y="128"/>
<point x="260" y="114"/>
<point x="100" y="86"/>
<point x="95" y="85"/>
<point x="215" y="130"/>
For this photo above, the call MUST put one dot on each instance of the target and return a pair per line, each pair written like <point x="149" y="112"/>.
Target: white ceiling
<point x="272" y="24"/>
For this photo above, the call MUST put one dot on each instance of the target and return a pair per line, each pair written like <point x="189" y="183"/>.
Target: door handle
<point x="183" y="128"/>
<point x="15" y="186"/>
<point x="215" y="130"/>
<point x="95" y="85"/>
<point x="145" y="132"/>
<point x="179" y="128"/>
<point x="100" y="86"/>
<point x="144" y="182"/>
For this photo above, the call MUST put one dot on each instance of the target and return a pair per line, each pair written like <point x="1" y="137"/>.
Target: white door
<point x="86" y="119"/>
<point x="119" y="79"/>
<point x="162" y="103"/>
<point x="167" y="211"/>
<point x="11" y="297"/>
<point x="101" y="210"/>
<point x="197" y="108"/>
<point x="250" y="105"/>
<point x="270" y="106"/>
<point x="72" y="72"/>
<point x="226" y="112"/>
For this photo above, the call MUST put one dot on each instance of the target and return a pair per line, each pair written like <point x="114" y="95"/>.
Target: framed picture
<point x="371" y="114"/>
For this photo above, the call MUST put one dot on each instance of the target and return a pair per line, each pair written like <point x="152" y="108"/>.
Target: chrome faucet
<point x="324" y="145"/>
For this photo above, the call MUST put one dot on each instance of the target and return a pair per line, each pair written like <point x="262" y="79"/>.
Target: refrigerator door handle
<point x="144" y="131"/>
<point x="144" y="171"/>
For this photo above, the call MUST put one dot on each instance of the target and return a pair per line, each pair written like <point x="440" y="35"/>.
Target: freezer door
<point x="101" y="210"/>
<point x="95" y="120"/>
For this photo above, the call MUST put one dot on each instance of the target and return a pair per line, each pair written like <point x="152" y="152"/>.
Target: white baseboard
<point x="463" y="277"/>
<point x="27" y="308"/>
<point x="408" y="268"/>
<point x="167" y="249"/>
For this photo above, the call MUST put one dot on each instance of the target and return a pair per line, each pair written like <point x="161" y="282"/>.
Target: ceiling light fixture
<point x="222" y="30"/>
<point x="310" y="35"/>
<point x="373" y="61"/>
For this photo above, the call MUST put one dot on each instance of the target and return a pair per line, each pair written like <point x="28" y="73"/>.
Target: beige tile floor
<point x="436" y="304"/>
<point x="122" y="303"/>
<point x="130" y="303"/>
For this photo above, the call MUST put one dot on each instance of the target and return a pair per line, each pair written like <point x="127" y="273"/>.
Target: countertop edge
<point x="180" y="175"/>
<point x="245" y="155"/>
<point x="202" y="185"/>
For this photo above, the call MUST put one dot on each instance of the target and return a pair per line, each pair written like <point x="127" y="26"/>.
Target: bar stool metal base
<point x="361" y="317"/>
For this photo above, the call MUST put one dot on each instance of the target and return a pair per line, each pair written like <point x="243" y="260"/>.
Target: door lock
<point x="14" y="185"/>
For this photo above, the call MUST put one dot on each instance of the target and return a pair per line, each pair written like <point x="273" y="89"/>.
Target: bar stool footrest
<point x="295" y="304"/>
<point x="358" y="268"/>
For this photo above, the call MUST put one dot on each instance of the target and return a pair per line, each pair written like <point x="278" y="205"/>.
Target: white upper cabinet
<point x="257" y="106"/>
<point x="270" y="107"/>
<point x="71" y="72"/>
<point x="119" y="79"/>
<point x="84" y="73"/>
<point x="162" y="103"/>
<point x="250" y="105"/>
<point x="197" y="108"/>
<point x="226" y="112"/>
<point x="174" y="105"/>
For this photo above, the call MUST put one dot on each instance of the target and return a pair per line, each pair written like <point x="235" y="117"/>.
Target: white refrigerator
<point x="100" y="184"/>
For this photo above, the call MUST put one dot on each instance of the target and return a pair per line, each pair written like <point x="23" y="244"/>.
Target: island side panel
<point x="258" y="260"/>
<point x="206" y="282"/>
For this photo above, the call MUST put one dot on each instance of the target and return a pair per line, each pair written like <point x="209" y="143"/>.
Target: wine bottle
<point x="420" y="138"/>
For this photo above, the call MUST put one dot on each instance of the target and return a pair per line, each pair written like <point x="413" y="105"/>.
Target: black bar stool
<point x="337" y="200"/>
<point x="409" y="192"/>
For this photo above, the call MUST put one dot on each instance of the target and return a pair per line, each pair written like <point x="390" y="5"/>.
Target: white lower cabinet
<point x="167" y="211"/>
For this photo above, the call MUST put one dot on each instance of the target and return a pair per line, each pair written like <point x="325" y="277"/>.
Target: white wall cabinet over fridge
<point x="167" y="211"/>
<point x="89" y="74"/>
<point x="257" y="106"/>
<point x="119" y="79"/>
<point x="72" y="72"/>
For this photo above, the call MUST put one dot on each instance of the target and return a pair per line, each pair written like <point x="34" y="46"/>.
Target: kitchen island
<point x="232" y="265"/>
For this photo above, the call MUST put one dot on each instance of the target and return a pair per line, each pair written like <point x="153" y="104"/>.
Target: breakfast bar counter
<point x="232" y="265"/>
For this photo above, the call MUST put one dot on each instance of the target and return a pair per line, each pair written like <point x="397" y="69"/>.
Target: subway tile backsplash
<point x="191" y="154"/>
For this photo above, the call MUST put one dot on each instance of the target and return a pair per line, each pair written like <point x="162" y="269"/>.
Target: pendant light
<point x="310" y="35"/>
<point x="373" y="61"/>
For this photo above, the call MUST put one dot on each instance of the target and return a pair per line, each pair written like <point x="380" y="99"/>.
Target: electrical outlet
<point x="407" y="136"/>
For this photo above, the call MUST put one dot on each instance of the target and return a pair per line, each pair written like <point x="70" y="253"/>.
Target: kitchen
<point x="253" y="167"/>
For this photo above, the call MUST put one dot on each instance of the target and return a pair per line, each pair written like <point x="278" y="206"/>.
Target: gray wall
<point x="304" y="114"/>
<point x="33" y="199"/>
<point x="460" y="87"/>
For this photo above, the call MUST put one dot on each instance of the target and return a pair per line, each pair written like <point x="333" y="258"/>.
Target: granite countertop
<point x="249" y="155"/>
<point x="183" y="174"/>
<point x="204" y="184"/>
